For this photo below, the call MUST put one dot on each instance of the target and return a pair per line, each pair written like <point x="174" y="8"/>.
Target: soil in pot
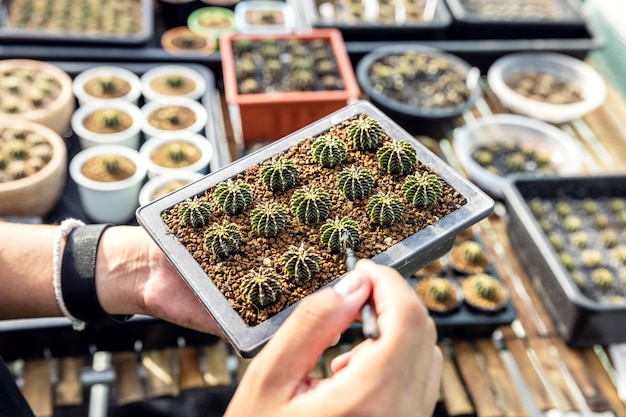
<point x="106" y="121"/>
<point x="265" y="17"/>
<point x="544" y="87"/>
<point x="176" y="154"/>
<point x="172" y="118"/>
<point x="107" y="86"/>
<point x="173" y="85"/>
<point x="440" y="295"/>
<point x="108" y="168"/>
<point x="484" y="292"/>
<point x="261" y="259"/>
<point x="504" y="158"/>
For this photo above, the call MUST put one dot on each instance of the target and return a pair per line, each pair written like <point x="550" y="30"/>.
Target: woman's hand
<point x="397" y="374"/>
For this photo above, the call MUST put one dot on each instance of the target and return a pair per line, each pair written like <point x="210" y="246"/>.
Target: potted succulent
<point x="212" y="23"/>
<point x="109" y="178"/>
<point x="32" y="168"/>
<point x="166" y="81"/>
<point x="271" y="227"/>
<point x="173" y="116"/>
<point x="313" y="78"/>
<point x="264" y="17"/>
<point x="104" y="82"/>
<point x="108" y="122"/>
<point x="181" y="40"/>
<point x="169" y="155"/>
<point x="36" y="91"/>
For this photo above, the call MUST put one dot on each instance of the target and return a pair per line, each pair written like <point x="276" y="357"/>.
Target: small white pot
<point x="155" y="105"/>
<point x="78" y="85"/>
<point x="128" y="137"/>
<point x="149" y="190"/>
<point x="200" y="166"/>
<point x="109" y="202"/>
<point x="150" y="76"/>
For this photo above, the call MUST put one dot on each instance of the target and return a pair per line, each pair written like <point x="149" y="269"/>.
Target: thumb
<point x="314" y="324"/>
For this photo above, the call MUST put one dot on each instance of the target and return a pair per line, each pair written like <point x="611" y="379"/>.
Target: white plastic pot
<point x="153" y="74"/>
<point x="155" y="105"/>
<point x="78" y="85"/>
<point x="200" y="166"/>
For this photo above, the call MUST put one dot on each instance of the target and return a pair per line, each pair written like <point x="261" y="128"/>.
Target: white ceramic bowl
<point x="155" y="105"/>
<point x="149" y="93"/>
<point x="565" y="159"/>
<point x="563" y="67"/>
<point x="78" y="85"/>
<point x="199" y="166"/>
<point x="252" y="6"/>
<point x="128" y="137"/>
<point x="155" y="184"/>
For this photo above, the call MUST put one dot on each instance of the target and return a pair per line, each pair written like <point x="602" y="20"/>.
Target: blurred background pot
<point x="106" y="83"/>
<point x="169" y="155"/>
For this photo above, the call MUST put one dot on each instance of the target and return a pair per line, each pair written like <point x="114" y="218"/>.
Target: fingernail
<point x="335" y="341"/>
<point x="349" y="284"/>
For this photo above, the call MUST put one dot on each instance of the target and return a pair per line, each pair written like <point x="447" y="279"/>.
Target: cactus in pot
<point x="269" y="219"/>
<point x="385" y="208"/>
<point x="397" y="157"/>
<point x="366" y="133"/>
<point x="233" y="196"/>
<point x="311" y="205"/>
<point x="329" y="150"/>
<point x="355" y="183"/>
<point x="301" y="262"/>
<point x="195" y="212"/>
<point x="261" y="287"/>
<point x="279" y="174"/>
<point x="338" y="233"/>
<point x="223" y="239"/>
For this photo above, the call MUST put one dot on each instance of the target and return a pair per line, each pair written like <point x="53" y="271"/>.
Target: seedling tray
<point x="407" y="256"/>
<point x="583" y="315"/>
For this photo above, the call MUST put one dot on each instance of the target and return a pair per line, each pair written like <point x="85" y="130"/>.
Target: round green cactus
<point x="269" y="219"/>
<point x="422" y="190"/>
<point x="279" y="174"/>
<point x="175" y="151"/>
<point x="262" y="287"/>
<point x="311" y="205"/>
<point x="385" y="208"/>
<point x="485" y="286"/>
<point x="195" y="212"/>
<point x="301" y="262"/>
<point x="329" y="150"/>
<point x="472" y="251"/>
<point x="110" y="163"/>
<point x="339" y="233"/>
<point x="223" y="239"/>
<point x="439" y="289"/>
<point x="603" y="278"/>
<point x="355" y="183"/>
<point x="233" y="196"/>
<point x="109" y="117"/>
<point x="366" y="133"/>
<point x="397" y="157"/>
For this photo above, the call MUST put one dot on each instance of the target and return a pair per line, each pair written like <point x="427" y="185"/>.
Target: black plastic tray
<point x="69" y="204"/>
<point x="406" y="256"/>
<point x="580" y="320"/>
<point x="15" y="35"/>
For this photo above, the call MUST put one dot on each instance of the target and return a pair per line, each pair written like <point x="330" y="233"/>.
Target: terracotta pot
<point x="182" y="41"/>
<point x="36" y="194"/>
<point x="56" y="115"/>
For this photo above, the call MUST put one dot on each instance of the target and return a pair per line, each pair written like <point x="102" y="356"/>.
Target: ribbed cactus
<point x="233" y="196"/>
<point x="262" y="287"/>
<point x="485" y="286"/>
<point x="269" y="219"/>
<point x="223" y="239"/>
<point x="397" y="157"/>
<point x="310" y="205"/>
<point x="422" y="190"/>
<point x="279" y="174"/>
<point x="366" y="133"/>
<point x="195" y="212"/>
<point x="329" y="150"/>
<point x="439" y="289"/>
<point x="339" y="233"/>
<point x="385" y="208"/>
<point x="301" y="262"/>
<point x="472" y="251"/>
<point x="355" y="183"/>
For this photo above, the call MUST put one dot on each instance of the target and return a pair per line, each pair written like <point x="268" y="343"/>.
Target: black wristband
<point x="78" y="276"/>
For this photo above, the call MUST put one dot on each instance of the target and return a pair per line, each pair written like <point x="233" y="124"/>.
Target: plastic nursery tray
<point x="69" y="204"/>
<point x="407" y="256"/>
<point x="361" y="29"/>
<point x="514" y="25"/>
<point x="581" y="319"/>
<point x="17" y="34"/>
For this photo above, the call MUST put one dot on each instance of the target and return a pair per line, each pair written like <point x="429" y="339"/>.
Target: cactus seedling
<point x="397" y="157"/>
<point x="269" y="219"/>
<point x="329" y="150"/>
<point x="280" y="174"/>
<point x="195" y="212"/>
<point x="439" y="289"/>
<point x="472" y="251"/>
<point x="422" y="190"/>
<point x="339" y="233"/>
<point x="111" y="164"/>
<point x="223" y="239"/>
<point x="485" y="286"/>
<point x="366" y="133"/>
<point x="261" y="287"/>
<point x="233" y="196"/>
<point x="355" y="183"/>
<point x="385" y="208"/>
<point x="602" y="278"/>
<point x="301" y="262"/>
<point x="311" y="205"/>
<point x="175" y="151"/>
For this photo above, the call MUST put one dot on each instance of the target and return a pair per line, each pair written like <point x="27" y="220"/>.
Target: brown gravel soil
<point x="434" y="305"/>
<point x="94" y="169"/>
<point x="185" y="118"/>
<point x="94" y="123"/>
<point x="257" y="251"/>
<point x="191" y="155"/>
<point x="92" y="87"/>
<point x="476" y="301"/>
<point x="161" y="85"/>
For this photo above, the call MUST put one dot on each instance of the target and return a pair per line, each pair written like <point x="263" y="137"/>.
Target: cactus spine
<point x="195" y="212"/>
<point x="422" y="191"/>
<point x="301" y="262"/>
<point x="269" y="219"/>
<point x="261" y="287"/>
<point x="339" y="233"/>
<point x="355" y="183"/>
<point x="366" y="133"/>
<point x="279" y="174"/>
<point x="223" y="239"/>
<point x="385" y="208"/>
<point x="397" y="157"/>
<point x="233" y="196"/>
<point x="329" y="150"/>
<point x="310" y="205"/>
